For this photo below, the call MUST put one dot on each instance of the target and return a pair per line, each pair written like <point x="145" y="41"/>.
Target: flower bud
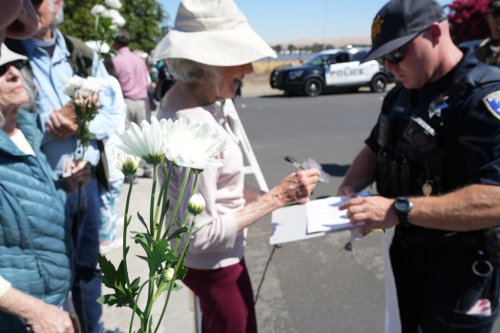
<point x="196" y="204"/>
<point x="127" y="164"/>
<point x="167" y="275"/>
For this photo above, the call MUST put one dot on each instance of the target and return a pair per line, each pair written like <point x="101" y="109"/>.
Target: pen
<point x="297" y="165"/>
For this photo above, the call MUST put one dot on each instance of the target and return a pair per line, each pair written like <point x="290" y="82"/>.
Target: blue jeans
<point x="87" y="286"/>
<point x="436" y="288"/>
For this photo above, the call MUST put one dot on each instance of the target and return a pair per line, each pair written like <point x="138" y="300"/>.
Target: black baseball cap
<point x="400" y="21"/>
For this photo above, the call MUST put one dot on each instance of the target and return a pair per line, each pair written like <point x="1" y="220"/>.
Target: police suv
<point x="333" y="68"/>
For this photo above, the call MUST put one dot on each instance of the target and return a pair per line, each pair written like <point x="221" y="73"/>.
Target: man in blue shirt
<point x="49" y="60"/>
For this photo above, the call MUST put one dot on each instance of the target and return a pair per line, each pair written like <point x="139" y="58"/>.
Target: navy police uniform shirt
<point x="463" y="110"/>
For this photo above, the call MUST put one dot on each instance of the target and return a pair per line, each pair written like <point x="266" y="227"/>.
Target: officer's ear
<point x="434" y="32"/>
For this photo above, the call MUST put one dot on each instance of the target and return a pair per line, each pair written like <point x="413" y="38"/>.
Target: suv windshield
<point x="359" y="56"/>
<point x="322" y="59"/>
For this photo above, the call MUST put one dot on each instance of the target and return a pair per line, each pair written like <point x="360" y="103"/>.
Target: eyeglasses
<point x="394" y="57"/>
<point x="19" y="64"/>
<point x="36" y="2"/>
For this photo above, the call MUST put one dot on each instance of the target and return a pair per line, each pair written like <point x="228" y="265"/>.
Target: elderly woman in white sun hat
<point x="209" y="51"/>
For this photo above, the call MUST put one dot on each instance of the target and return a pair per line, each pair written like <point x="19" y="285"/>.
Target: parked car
<point x="333" y="68"/>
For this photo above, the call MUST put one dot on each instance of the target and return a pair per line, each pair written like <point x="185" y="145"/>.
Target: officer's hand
<point x="62" y="122"/>
<point x="377" y="212"/>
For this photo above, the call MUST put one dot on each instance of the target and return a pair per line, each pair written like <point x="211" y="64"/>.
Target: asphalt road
<point x="313" y="286"/>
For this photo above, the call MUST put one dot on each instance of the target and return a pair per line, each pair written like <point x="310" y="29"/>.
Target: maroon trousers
<point x="226" y="298"/>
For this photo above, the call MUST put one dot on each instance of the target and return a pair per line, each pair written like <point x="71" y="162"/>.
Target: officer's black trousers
<point x="436" y="288"/>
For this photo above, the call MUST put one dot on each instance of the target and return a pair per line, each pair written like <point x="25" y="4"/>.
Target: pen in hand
<point x="297" y="165"/>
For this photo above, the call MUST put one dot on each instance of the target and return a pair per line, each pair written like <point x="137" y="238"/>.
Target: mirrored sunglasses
<point x="19" y="64"/>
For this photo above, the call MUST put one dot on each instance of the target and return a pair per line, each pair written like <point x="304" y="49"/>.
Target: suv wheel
<point x="378" y="83"/>
<point x="313" y="87"/>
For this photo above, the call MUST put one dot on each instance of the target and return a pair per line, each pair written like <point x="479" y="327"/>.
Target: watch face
<point x="402" y="205"/>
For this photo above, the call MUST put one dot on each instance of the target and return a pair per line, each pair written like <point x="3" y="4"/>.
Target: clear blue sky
<point x="284" y="20"/>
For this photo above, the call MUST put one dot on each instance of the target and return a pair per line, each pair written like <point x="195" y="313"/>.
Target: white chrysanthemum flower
<point x="195" y="145"/>
<point x="74" y="83"/>
<point x="127" y="164"/>
<point x="92" y="85"/>
<point x="115" y="17"/>
<point x="196" y="204"/>
<point x="147" y="142"/>
<point x="97" y="10"/>
<point x="116" y="4"/>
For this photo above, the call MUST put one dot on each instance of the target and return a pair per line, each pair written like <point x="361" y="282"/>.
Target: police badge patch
<point x="492" y="103"/>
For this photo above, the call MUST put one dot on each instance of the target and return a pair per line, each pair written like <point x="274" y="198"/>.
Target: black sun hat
<point x="399" y="21"/>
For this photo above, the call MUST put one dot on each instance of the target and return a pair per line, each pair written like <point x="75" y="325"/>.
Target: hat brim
<point x="216" y="48"/>
<point x="388" y="47"/>
<point x="7" y="55"/>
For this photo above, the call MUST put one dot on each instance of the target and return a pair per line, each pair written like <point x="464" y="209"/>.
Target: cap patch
<point x="492" y="103"/>
<point x="377" y="26"/>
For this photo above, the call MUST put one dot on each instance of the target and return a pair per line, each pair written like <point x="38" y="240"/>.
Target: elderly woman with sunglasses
<point x="35" y="268"/>
<point x="209" y="52"/>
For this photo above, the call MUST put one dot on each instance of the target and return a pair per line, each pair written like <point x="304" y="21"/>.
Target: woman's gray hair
<point x="30" y="87"/>
<point x="188" y="71"/>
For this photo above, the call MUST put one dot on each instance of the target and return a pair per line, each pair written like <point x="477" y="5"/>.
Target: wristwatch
<point x="403" y="207"/>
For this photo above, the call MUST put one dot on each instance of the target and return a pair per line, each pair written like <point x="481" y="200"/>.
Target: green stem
<point x="126" y="221"/>
<point x="165" y="184"/>
<point x="193" y="189"/>
<point x="152" y="204"/>
<point x="176" y="269"/>
<point x="134" y="309"/>
<point x="178" y="202"/>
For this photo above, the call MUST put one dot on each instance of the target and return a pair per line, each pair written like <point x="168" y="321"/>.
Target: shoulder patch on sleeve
<point x="492" y="103"/>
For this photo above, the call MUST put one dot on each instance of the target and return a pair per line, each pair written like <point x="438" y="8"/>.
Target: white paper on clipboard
<point x="323" y="215"/>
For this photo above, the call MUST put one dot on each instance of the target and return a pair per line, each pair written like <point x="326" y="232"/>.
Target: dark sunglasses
<point x="36" y="2"/>
<point x="19" y="64"/>
<point x="398" y="55"/>
<point x="394" y="57"/>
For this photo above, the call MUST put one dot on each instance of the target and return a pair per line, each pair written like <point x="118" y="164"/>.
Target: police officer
<point x="489" y="49"/>
<point x="435" y="157"/>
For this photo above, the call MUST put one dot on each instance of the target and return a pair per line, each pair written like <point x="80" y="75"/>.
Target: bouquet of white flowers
<point x="166" y="145"/>
<point x="83" y="92"/>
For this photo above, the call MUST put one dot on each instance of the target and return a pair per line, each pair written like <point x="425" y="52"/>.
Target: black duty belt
<point x="413" y="236"/>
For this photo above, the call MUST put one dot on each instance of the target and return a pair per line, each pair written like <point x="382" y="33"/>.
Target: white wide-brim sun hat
<point x="212" y="32"/>
<point x="7" y="55"/>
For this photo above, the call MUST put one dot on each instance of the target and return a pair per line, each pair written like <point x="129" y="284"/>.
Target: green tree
<point x="146" y="21"/>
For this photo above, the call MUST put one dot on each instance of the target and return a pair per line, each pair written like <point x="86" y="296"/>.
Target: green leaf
<point x="181" y="273"/>
<point x="178" y="233"/>
<point x="160" y="254"/>
<point x="139" y="216"/>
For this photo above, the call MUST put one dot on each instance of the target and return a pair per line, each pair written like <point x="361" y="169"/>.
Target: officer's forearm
<point x="361" y="173"/>
<point x="470" y="208"/>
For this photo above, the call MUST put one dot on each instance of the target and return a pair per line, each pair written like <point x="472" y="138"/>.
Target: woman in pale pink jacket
<point x="209" y="51"/>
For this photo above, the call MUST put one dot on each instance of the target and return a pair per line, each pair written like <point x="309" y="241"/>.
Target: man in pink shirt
<point x="133" y="75"/>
